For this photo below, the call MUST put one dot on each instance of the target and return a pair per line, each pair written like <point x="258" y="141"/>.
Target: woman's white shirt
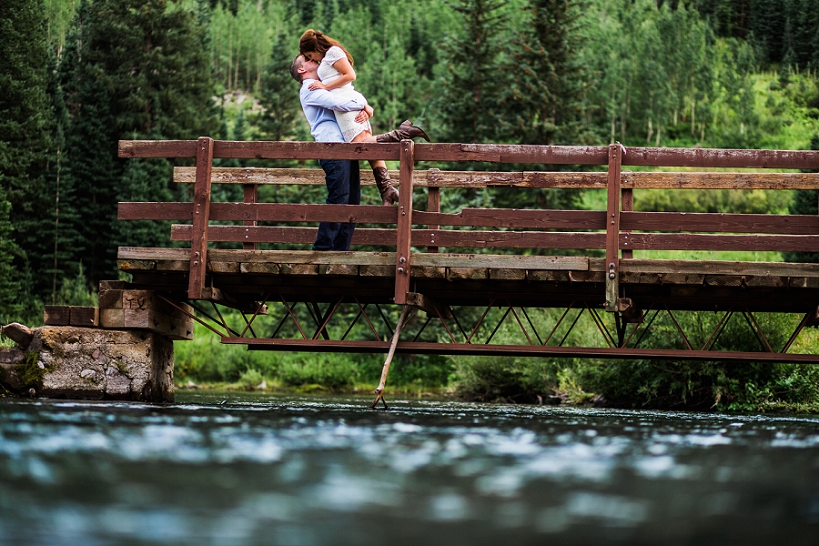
<point x="327" y="73"/>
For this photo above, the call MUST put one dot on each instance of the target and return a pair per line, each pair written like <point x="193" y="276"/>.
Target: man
<point x="341" y="176"/>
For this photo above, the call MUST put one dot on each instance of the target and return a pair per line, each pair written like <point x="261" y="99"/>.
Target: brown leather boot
<point x="405" y="130"/>
<point x="389" y="194"/>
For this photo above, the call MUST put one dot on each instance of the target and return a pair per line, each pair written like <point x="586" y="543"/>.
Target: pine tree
<point x="278" y="97"/>
<point x="58" y="260"/>
<point x="132" y="69"/>
<point x="543" y="102"/>
<point x="471" y="85"/>
<point x="24" y="125"/>
<point x="9" y="281"/>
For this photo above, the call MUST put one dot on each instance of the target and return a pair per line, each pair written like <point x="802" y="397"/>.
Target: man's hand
<point x="317" y="85"/>
<point x="365" y="114"/>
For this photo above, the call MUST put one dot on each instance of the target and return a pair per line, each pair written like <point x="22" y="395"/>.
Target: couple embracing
<point x="337" y="112"/>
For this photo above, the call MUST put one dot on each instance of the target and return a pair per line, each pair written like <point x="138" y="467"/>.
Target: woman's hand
<point x="365" y="114"/>
<point x="317" y="85"/>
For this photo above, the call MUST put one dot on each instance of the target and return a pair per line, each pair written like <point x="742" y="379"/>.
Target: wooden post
<point x="628" y="204"/>
<point x="251" y="196"/>
<point x="201" y="214"/>
<point x="433" y="205"/>
<point x="613" y="227"/>
<point x="404" y="240"/>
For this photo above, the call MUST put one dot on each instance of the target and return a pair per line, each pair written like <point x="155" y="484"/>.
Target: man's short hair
<point x="294" y="67"/>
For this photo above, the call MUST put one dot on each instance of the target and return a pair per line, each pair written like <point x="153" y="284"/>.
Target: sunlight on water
<point x="240" y="469"/>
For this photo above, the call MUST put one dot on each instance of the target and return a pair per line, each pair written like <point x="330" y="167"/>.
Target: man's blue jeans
<point x="343" y="188"/>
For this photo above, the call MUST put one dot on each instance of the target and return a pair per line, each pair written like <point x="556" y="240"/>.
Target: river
<point x="242" y="469"/>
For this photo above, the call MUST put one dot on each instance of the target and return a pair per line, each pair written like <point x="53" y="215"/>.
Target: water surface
<point x="232" y="469"/>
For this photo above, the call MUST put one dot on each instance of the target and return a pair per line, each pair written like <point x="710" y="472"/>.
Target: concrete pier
<point x="88" y="363"/>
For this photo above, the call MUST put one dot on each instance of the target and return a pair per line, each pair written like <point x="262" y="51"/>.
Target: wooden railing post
<point x="433" y="205"/>
<point x="251" y="194"/>
<point x="201" y="215"/>
<point x="404" y="239"/>
<point x="628" y="205"/>
<point x="613" y="226"/>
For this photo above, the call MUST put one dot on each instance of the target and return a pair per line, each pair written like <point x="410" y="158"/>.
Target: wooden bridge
<point x="505" y="292"/>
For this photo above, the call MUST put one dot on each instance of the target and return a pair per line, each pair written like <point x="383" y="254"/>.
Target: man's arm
<point x="333" y="101"/>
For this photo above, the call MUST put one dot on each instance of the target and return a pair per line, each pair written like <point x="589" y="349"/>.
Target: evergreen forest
<point x="78" y="75"/>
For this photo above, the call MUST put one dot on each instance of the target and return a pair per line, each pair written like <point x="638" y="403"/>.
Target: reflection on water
<point x="246" y="470"/>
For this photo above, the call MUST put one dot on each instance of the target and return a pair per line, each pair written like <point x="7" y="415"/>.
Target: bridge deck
<point x="472" y="279"/>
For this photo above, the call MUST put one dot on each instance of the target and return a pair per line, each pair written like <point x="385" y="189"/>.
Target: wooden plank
<point x="549" y="276"/>
<point x="264" y="268"/>
<point x="300" y="212"/>
<point x="521" y="179"/>
<point x="512" y="153"/>
<point x="201" y="218"/>
<point x="683" y="241"/>
<point x="720" y="180"/>
<point x="387" y="237"/>
<point x="376" y="271"/>
<point x="155" y="211"/>
<point x="136" y="265"/>
<point x="715" y="267"/>
<point x="710" y="157"/>
<point x="84" y="316"/>
<point x="613" y="226"/>
<point x="281" y="234"/>
<point x="466" y="273"/>
<point x="471" y="261"/>
<point x="403" y="257"/>
<point x="109" y="299"/>
<point x="433" y="205"/>
<point x="304" y="150"/>
<point x="507" y="274"/>
<point x="627" y="195"/>
<point x="56" y="315"/>
<point x="303" y="257"/>
<point x="112" y="318"/>
<point x="516" y="218"/>
<point x="500" y="153"/>
<point x="250" y="194"/>
<point x="426" y="272"/>
<point x="791" y="224"/>
<point x="270" y="212"/>
<point x="344" y="270"/>
<point x="507" y="239"/>
<point x="298" y="269"/>
<point x="157" y="148"/>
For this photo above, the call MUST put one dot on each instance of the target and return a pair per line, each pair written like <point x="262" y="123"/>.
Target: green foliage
<point x="10" y="306"/>
<point x="24" y="132"/>
<point x="277" y="97"/>
<point x="29" y="372"/>
<point x="133" y="69"/>
<point x="523" y="380"/>
<point x="543" y="102"/>
<point x="474" y="76"/>
<point x="77" y="291"/>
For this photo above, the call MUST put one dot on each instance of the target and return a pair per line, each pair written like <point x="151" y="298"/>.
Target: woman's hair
<point x="313" y="41"/>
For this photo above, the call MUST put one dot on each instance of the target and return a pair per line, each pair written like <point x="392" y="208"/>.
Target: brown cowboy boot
<point x="389" y="194"/>
<point x="405" y="130"/>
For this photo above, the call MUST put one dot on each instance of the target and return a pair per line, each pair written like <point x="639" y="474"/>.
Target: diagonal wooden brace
<point x="379" y="391"/>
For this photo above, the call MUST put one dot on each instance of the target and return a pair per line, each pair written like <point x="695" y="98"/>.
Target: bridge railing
<point x="619" y="230"/>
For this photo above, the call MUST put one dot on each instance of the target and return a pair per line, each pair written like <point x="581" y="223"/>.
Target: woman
<point x="337" y="74"/>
